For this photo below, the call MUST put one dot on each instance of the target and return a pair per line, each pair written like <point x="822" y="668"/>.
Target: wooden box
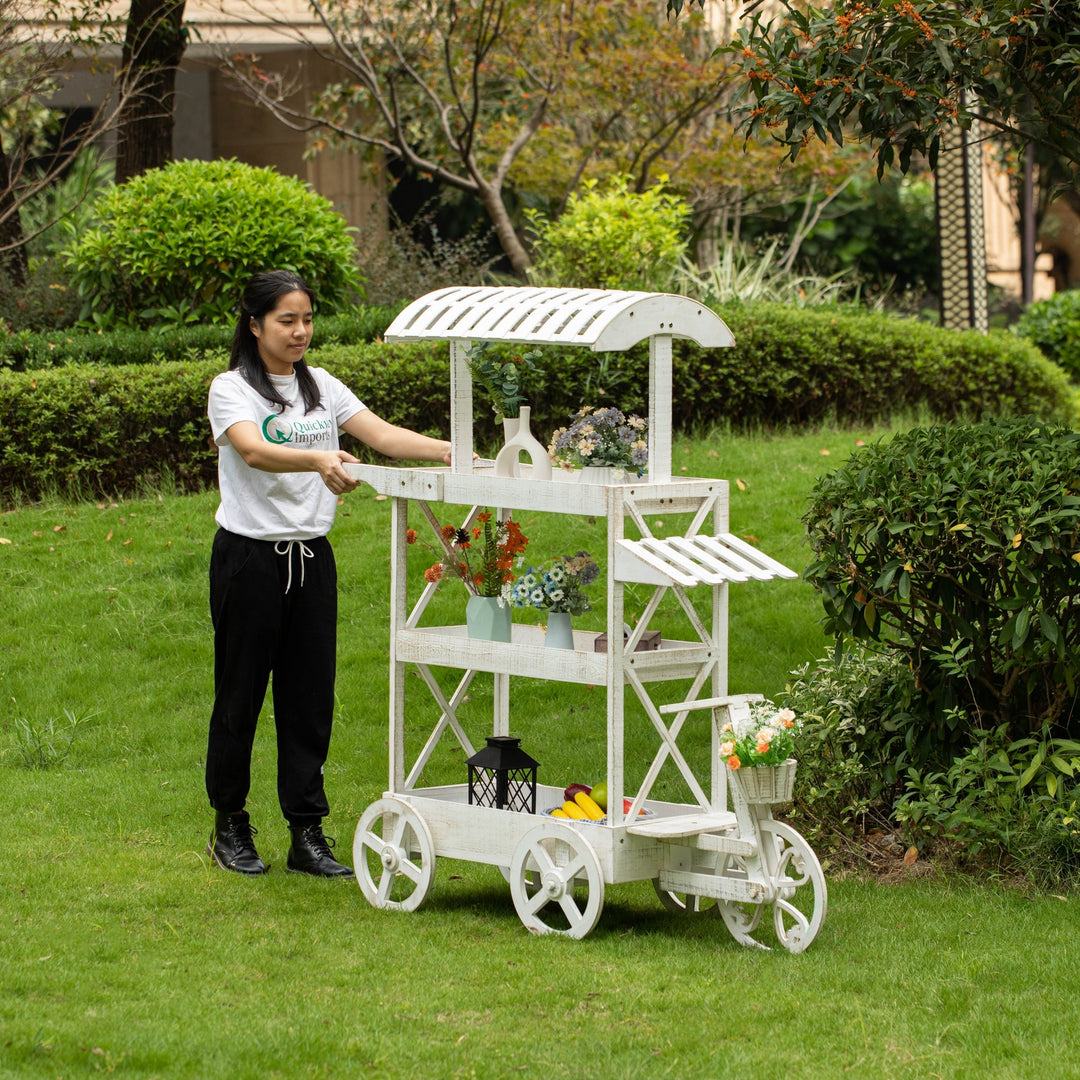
<point x="650" y="641"/>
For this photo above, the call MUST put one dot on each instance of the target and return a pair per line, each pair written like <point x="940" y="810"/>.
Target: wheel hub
<point x="553" y="886"/>
<point x="391" y="857"/>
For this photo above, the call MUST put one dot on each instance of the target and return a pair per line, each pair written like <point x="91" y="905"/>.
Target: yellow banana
<point x="587" y="803"/>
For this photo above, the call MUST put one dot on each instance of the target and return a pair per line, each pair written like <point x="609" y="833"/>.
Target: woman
<point x="273" y="582"/>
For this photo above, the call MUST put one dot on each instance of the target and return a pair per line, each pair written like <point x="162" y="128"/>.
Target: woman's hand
<point x="330" y="467"/>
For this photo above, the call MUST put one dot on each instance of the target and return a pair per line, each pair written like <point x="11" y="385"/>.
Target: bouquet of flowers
<point x="602" y="437"/>
<point x="502" y="379"/>
<point x="486" y="567"/>
<point x="765" y="737"/>
<point x="559" y="587"/>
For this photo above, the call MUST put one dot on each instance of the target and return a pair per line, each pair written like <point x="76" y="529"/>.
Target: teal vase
<point x="488" y="618"/>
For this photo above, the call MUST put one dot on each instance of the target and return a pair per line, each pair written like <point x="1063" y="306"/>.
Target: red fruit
<point x="626" y="804"/>
<point x="573" y="789"/>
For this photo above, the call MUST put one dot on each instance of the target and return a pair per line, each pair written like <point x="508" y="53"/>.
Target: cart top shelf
<point x="602" y="319"/>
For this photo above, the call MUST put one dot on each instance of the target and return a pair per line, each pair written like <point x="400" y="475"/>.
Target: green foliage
<point x="47" y="743"/>
<point x="857" y="733"/>
<point x="1054" y="325"/>
<point x="26" y="351"/>
<point x="177" y="244"/>
<point x="791" y="366"/>
<point x="107" y="426"/>
<point x="743" y="275"/>
<point x="44" y="299"/>
<point x="501" y="377"/>
<point x="60" y="213"/>
<point x="881" y="235"/>
<point x="1012" y="801"/>
<point x="904" y="76"/>
<point x="616" y="239"/>
<point x="959" y="548"/>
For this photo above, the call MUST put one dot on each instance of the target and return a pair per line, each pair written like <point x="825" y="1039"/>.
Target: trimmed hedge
<point x="105" y="428"/>
<point x="26" y="351"/>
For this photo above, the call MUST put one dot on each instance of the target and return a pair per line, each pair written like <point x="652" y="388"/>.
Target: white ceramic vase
<point x="522" y="441"/>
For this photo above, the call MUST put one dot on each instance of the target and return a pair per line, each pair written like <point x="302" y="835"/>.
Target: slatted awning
<point x="602" y="319"/>
<point x="695" y="560"/>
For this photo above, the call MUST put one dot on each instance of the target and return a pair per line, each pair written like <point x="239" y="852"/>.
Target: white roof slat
<point x="603" y="319"/>
<point x="713" y="558"/>
<point x="685" y="559"/>
<point x="753" y="555"/>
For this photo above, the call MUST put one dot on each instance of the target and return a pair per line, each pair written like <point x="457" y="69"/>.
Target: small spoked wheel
<point x="556" y="882"/>
<point x="394" y="855"/>
<point x="741" y="918"/>
<point x="801" y="893"/>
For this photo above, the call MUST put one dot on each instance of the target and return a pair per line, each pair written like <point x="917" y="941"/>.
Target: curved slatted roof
<point x="602" y="319"/>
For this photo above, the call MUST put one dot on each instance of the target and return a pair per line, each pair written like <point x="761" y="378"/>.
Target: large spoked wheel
<point x="801" y="893"/>
<point x="556" y="882"/>
<point x="394" y="855"/>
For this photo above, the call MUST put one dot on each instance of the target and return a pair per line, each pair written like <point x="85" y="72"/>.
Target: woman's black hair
<point x="261" y="295"/>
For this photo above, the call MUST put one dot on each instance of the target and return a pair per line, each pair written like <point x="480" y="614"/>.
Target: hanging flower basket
<point x="767" y="783"/>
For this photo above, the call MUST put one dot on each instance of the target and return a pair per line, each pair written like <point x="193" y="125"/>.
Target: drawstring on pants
<point x="287" y="551"/>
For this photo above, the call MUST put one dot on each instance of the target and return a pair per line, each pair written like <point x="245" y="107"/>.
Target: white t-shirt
<point x="269" y="505"/>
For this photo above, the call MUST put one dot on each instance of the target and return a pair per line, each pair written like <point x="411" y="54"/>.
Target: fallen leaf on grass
<point x="740" y="484"/>
<point x="4" y="540"/>
<point x="825" y="453"/>
<point x="126" y="542"/>
<point x="59" y="528"/>
<point x="911" y="855"/>
<point x="109" y="535"/>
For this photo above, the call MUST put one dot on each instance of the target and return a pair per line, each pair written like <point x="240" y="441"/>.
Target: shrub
<point x="1054" y="325"/>
<point x="958" y="547"/>
<point x="31" y="352"/>
<point x="617" y="239"/>
<point x="781" y="372"/>
<point x="744" y="275"/>
<point x="1016" y="803"/>
<point x="178" y="243"/>
<point x="853" y="743"/>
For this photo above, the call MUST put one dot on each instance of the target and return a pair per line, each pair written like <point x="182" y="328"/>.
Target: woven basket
<point x="767" y="783"/>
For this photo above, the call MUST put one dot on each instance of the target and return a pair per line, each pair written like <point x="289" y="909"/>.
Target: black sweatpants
<point x="268" y="624"/>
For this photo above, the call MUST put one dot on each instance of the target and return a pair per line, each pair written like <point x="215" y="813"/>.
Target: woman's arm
<point x="396" y="442"/>
<point x="269" y="457"/>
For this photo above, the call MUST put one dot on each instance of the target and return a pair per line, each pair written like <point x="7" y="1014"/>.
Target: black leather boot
<point x="309" y="853"/>
<point x="232" y="844"/>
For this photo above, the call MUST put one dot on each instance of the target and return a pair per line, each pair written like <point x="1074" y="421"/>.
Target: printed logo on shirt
<point x="304" y="432"/>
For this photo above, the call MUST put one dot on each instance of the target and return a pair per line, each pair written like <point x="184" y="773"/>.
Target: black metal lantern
<point x="503" y="775"/>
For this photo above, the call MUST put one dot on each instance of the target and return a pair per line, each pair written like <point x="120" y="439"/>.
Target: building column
<point x="958" y="198"/>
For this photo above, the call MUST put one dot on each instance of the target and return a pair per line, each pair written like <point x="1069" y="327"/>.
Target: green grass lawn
<point x="123" y="951"/>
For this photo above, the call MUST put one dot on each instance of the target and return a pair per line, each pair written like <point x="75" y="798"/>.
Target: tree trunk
<point x="12" y="251"/>
<point x="508" y="238"/>
<point x="153" y="47"/>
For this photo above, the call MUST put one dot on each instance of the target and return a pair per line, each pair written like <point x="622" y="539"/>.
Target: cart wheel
<point x="394" y="855"/>
<point x="740" y="918"/>
<point x="547" y="865"/>
<point x="801" y="894"/>
<point x="689" y="903"/>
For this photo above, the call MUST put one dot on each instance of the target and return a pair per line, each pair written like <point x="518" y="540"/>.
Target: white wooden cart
<point x="735" y="860"/>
